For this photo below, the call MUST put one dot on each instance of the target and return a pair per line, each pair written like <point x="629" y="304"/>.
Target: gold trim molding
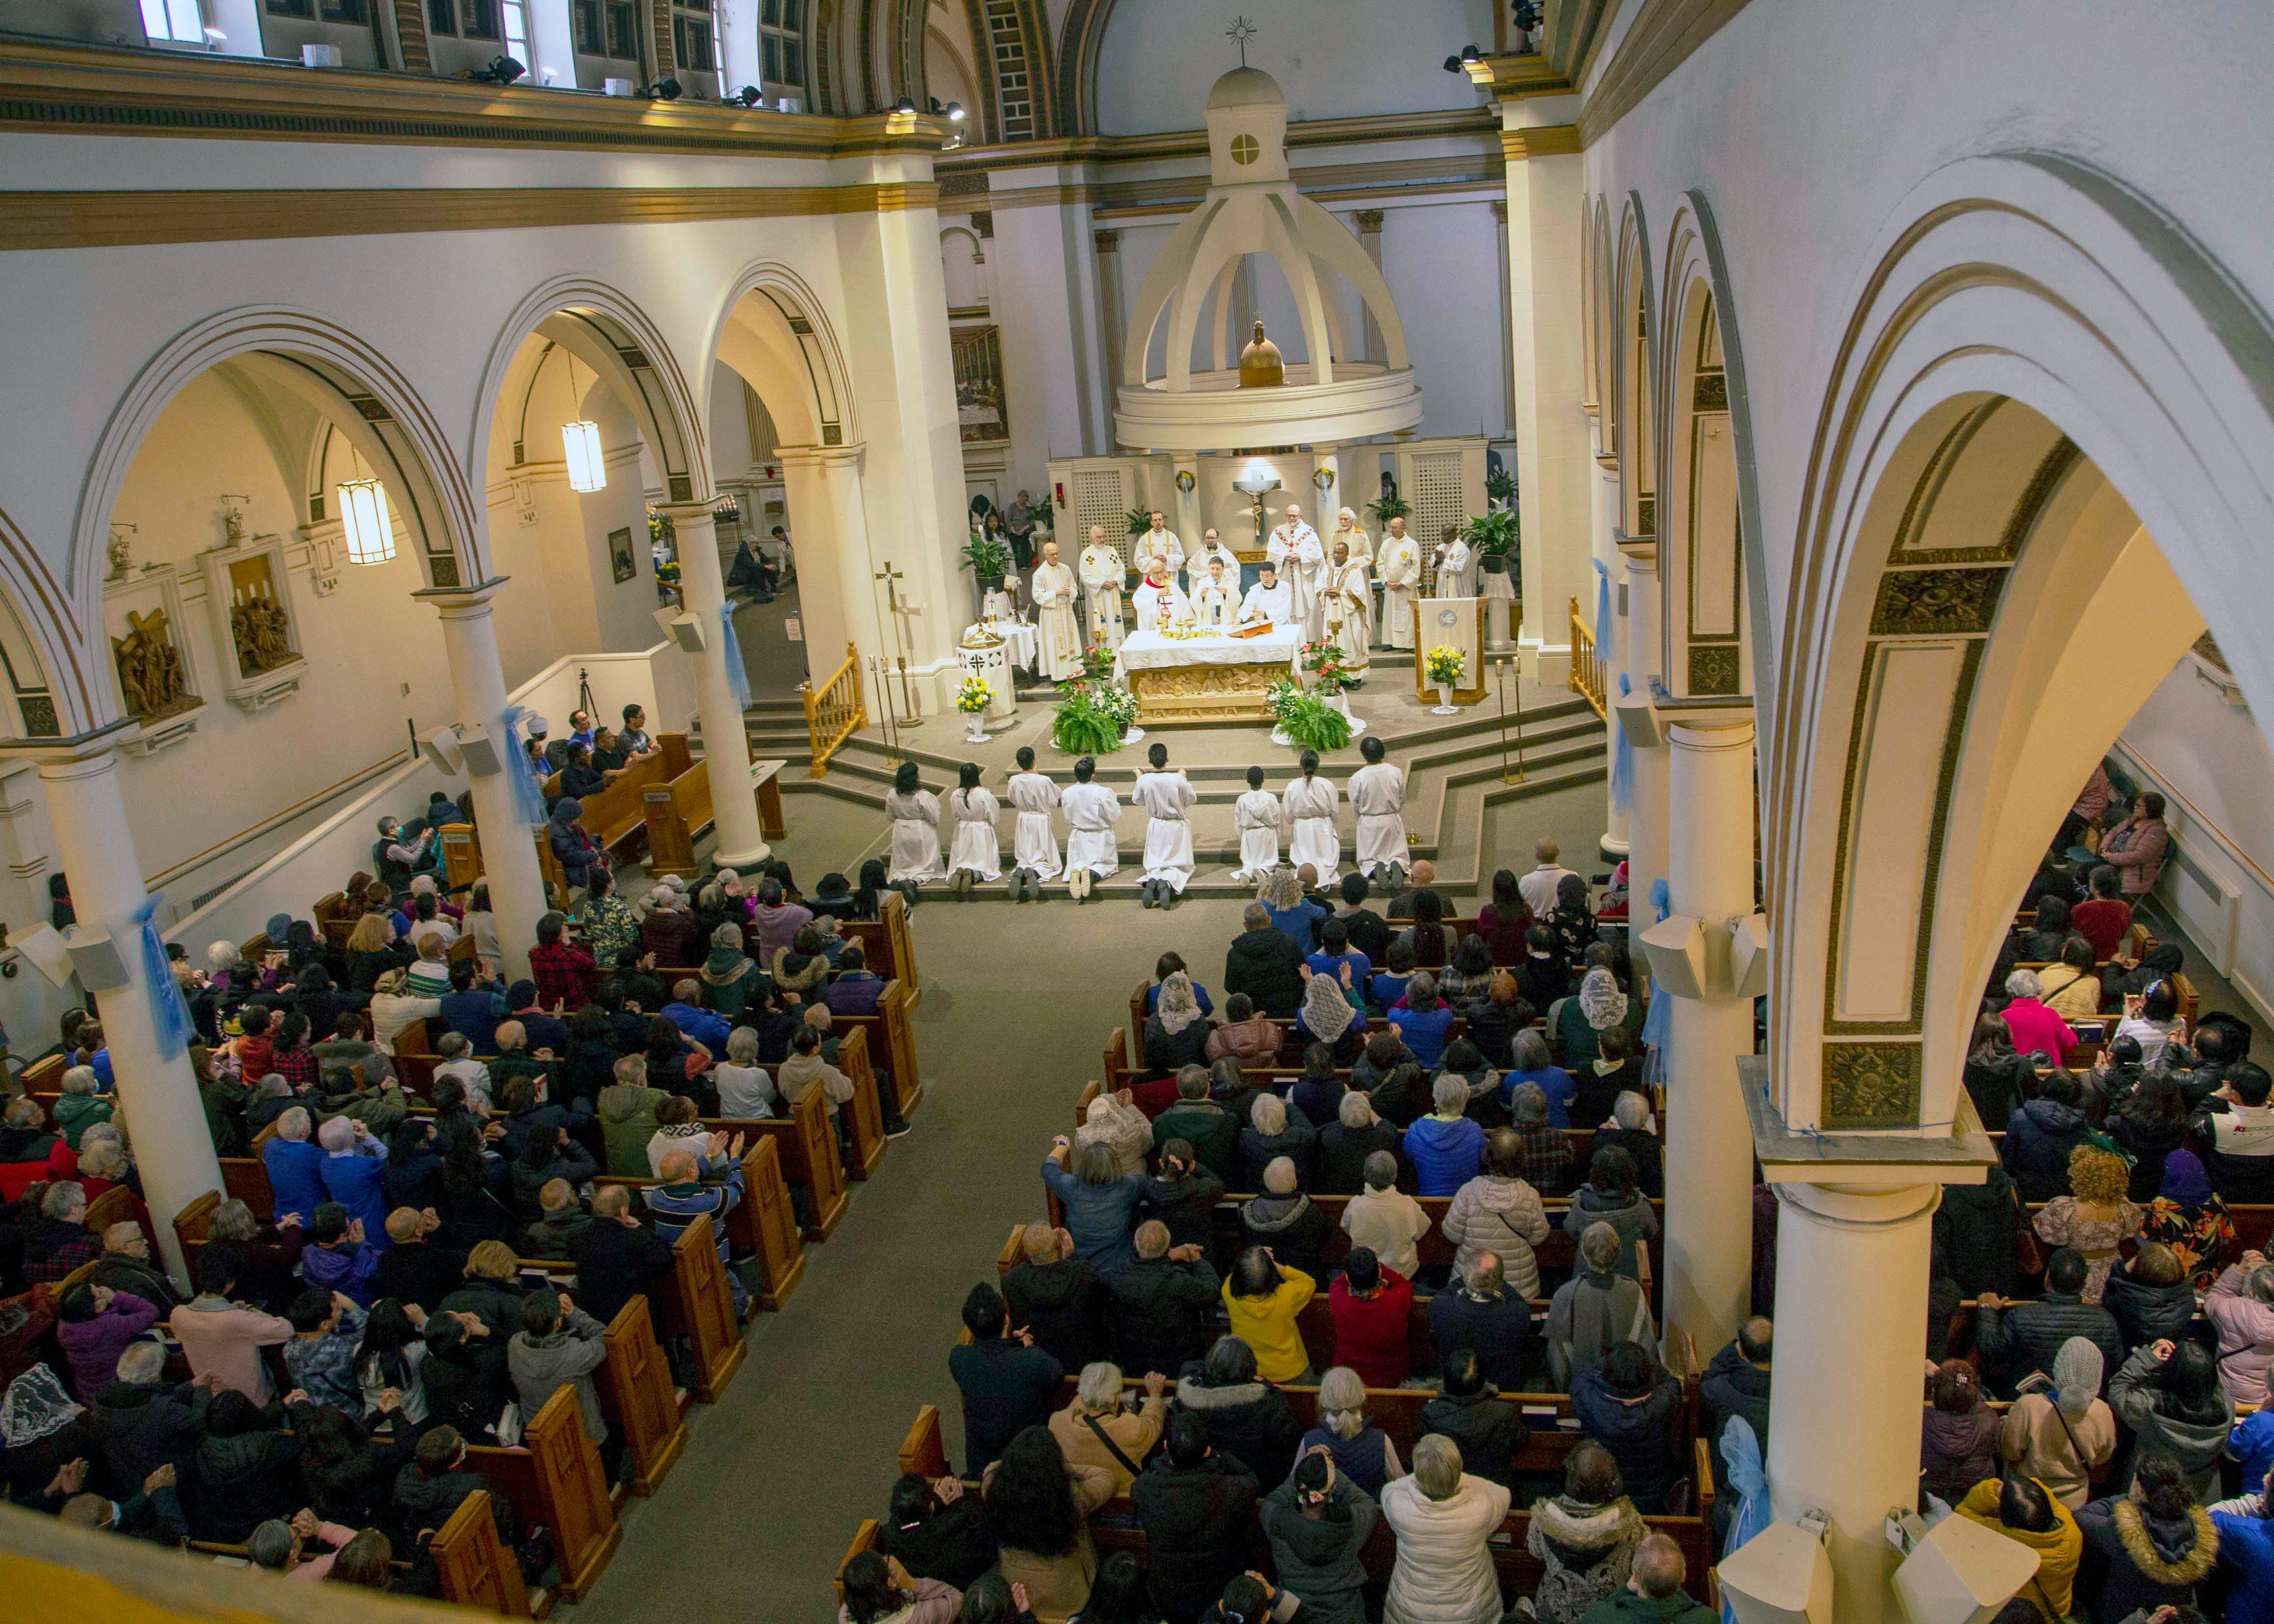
<point x="36" y="220"/>
<point x="1661" y="40"/>
<point x="1540" y="141"/>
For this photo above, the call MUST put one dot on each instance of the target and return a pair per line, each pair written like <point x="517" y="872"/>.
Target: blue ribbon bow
<point x="738" y="676"/>
<point x="169" y="1017"/>
<point x="528" y="799"/>
<point x="1658" y="1024"/>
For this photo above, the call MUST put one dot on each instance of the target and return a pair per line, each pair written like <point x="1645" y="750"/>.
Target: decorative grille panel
<point x="1098" y="499"/>
<point x="1439" y="501"/>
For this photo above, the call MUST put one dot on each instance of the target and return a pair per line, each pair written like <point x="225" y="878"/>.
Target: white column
<point x="1614" y="661"/>
<point x="1646" y="813"/>
<point x="509" y="850"/>
<point x="157" y="1088"/>
<point x="726" y="747"/>
<point x="1843" y="1414"/>
<point x="1709" y="1145"/>
<point x="1107" y="241"/>
<point x="838" y="598"/>
<point x="1372" y="345"/>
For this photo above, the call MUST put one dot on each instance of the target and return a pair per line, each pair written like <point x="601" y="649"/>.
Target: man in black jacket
<point x="2022" y="1337"/>
<point x="937" y="1531"/>
<point x="1269" y="972"/>
<point x="1185" y="1195"/>
<point x="1007" y="1383"/>
<point x="1161" y="1302"/>
<point x="622" y="1257"/>
<point x="1737" y="1383"/>
<point x="125" y="1266"/>
<point x="1488" y="1428"/>
<point x="1209" y="1130"/>
<point x="140" y="1423"/>
<point x="1369" y="932"/>
<point x="1056" y="1297"/>
<point x="1195" y="1506"/>
<point x="417" y="1268"/>
<point x="1480" y="1311"/>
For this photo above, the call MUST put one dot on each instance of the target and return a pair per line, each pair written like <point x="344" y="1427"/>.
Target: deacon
<point x="1102" y="575"/>
<point x="1456" y="568"/>
<point x="1161" y="541"/>
<point x="1057" y="623"/>
<point x="1270" y="600"/>
<point x="1213" y="551"/>
<point x="1349" y="608"/>
<point x="1377" y="795"/>
<point x="1214" y="600"/>
<point x="1160" y="601"/>
<point x="1401" y="577"/>
<point x="1256" y="815"/>
<point x="1165" y="795"/>
<point x="1034" y="843"/>
<point x="1303" y="560"/>
<point x="1090" y="811"/>
<point x="1309" y="804"/>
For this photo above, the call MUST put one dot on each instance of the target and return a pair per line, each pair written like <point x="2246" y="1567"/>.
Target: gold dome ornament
<point x="1259" y="366"/>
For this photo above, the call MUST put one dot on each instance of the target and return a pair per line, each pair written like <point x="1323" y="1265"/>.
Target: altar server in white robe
<point x="1091" y="811"/>
<point x="1256" y="815"/>
<point x="1216" y="600"/>
<point x="1167" y="796"/>
<point x="1309" y="803"/>
<point x="1162" y="541"/>
<point x="1269" y="600"/>
<point x="1400" y="569"/>
<point x="915" y="812"/>
<point x="1033" y="842"/>
<point x="1057" y="621"/>
<point x="977" y="852"/>
<point x="1347" y="608"/>
<point x="1160" y="601"/>
<point x="1377" y="795"/>
<point x="1101" y="574"/>
<point x="1457" y="569"/>
<point x="1211" y="549"/>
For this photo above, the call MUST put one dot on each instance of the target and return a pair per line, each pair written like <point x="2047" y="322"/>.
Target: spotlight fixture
<point x="1453" y="65"/>
<point x="904" y="106"/>
<point x="502" y="71"/>
<point x="1470" y="53"/>
<point x="749" y="95"/>
<point x="955" y="112"/>
<point x="663" y="90"/>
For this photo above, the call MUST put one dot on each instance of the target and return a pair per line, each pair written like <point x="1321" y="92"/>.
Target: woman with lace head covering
<point x="1176" y="1033"/>
<point x="43" y="1431"/>
<point x="1598" y="1006"/>
<point x="1293" y="914"/>
<point x="1327" y="1017"/>
<point x="1573" y="920"/>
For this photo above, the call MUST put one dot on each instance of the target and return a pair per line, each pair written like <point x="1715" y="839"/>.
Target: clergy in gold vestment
<point x="1348" y="607"/>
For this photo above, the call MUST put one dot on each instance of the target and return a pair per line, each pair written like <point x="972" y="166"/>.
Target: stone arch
<point x="1629" y="339"/>
<point x="607" y="332"/>
<point x="1701" y="559"/>
<point x="50" y="673"/>
<point x="1595" y="261"/>
<point x="774" y="332"/>
<point x="346" y="381"/>
<point x="2038" y="453"/>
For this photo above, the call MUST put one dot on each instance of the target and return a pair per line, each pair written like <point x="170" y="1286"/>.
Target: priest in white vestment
<point x="1256" y="816"/>
<point x="1211" y="550"/>
<point x="1102" y="575"/>
<point x="1166" y="797"/>
<point x="1400" y="569"/>
<point x="1304" y="568"/>
<point x="1309" y="803"/>
<point x="1215" y="599"/>
<point x="1457" y="569"/>
<point x="977" y="851"/>
<point x="914" y="813"/>
<point x="1161" y="541"/>
<point x="1090" y="811"/>
<point x="1347" y="608"/>
<point x="1270" y="600"/>
<point x="1033" y="842"/>
<point x="1352" y="535"/>
<point x="1377" y="795"/>
<point x="1159" y="600"/>
<point x="1058" y="622"/>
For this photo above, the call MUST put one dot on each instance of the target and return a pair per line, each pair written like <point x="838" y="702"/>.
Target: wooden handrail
<point x="835" y="711"/>
<point x="1587" y="669"/>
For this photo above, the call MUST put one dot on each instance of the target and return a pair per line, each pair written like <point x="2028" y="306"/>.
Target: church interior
<point x="680" y="934"/>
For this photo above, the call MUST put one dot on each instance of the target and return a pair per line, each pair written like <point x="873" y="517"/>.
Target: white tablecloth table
<point x="1025" y="648"/>
<point x="1150" y="651"/>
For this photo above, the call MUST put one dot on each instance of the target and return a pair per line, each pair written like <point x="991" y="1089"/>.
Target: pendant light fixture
<point x="580" y="443"/>
<point x="362" y="515"/>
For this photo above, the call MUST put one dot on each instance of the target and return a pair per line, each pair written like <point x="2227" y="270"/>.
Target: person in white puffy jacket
<point x="1443" y="1517"/>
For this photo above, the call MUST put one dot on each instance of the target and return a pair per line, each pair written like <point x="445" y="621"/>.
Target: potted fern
<point x="989" y="560"/>
<point x="1391" y="505"/>
<point x="1493" y="536"/>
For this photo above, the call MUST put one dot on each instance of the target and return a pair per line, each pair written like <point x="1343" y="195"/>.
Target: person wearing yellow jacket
<point x="2026" y="1512"/>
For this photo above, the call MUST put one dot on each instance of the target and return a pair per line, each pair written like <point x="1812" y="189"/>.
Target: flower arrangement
<point x="660" y="527"/>
<point x="1444" y="664"/>
<point x="975" y="696"/>
<point x="1307" y="719"/>
<point x="1092" y="713"/>
<point x="1328" y="666"/>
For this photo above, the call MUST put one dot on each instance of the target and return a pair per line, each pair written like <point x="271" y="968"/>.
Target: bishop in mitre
<point x="1101" y="574"/>
<point x="1160" y="601"/>
<point x="1270" y="600"/>
<point x="1057" y="623"/>
<point x="1161" y="541"/>
<point x="1215" y="598"/>
<point x="1346" y="607"/>
<point x="1400" y="568"/>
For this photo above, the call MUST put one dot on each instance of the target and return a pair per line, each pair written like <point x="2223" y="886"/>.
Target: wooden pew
<point x="862" y="1113"/>
<point x="809" y="1157"/>
<point x="475" y="1569"/>
<point x="554" y="1480"/>
<point x="760" y="1224"/>
<point x="637" y="1396"/>
<point x="864" y="1539"/>
<point x="706" y="1311"/>
<point x="887" y="945"/>
<point x="891" y="1044"/>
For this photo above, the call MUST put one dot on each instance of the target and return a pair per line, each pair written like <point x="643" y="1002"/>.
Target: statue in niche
<point x="152" y="678"/>
<point x="259" y="628"/>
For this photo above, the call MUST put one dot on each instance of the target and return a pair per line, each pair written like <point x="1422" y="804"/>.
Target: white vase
<point x="977" y="734"/>
<point x="1445" y="705"/>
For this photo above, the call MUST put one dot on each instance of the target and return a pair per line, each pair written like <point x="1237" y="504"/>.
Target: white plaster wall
<point x="1158" y="59"/>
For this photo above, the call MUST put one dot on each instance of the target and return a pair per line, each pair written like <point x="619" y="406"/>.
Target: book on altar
<point x="1260" y="628"/>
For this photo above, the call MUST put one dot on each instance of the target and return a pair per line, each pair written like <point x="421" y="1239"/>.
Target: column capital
<point x="459" y="600"/>
<point x="1718" y="732"/>
<point x="96" y="744"/>
<point x="1106" y="239"/>
<point x="1369" y="221"/>
<point x="822" y="456"/>
<point x="1859" y="1164"/>
<point x="1855" y="1206"/>
<point x="689" y="513"/>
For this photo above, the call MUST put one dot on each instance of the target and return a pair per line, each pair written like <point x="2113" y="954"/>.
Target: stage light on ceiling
<point x="955" y="111"/>
<point x="749" y="95"/>
<point x="362" y="515"/>
<point x="664" y="90"/>
<point x="502" y="71"/>
<point x="904" y="105"/>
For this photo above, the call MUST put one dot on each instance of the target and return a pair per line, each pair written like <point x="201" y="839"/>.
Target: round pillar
<point x="838" y="597"/>
<point x="1709" y="1145"/>
<point x="1618" y="830"/>
<point x="156" y="1085"/>
<point x="1646" y="808"/>
<point x="1843" y="1413"/>
<point x="726" y="746"/>
<point x="509" y="850"/>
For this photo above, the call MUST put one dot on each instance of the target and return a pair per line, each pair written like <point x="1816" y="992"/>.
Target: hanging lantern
<point x="363" y="511"/>
<point x="581" y="442"/>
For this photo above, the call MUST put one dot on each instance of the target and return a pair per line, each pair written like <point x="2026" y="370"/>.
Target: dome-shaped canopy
<point x="1246" y="87"/>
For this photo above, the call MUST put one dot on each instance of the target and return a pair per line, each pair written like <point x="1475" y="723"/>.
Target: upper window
<point x="781" y="43"/>
<point x="694" y="36"/>
<point x="178" y="22"/>
<point x="442" y="16"/>
<point x="606" y="29"/>
<point x="477" y="19"/>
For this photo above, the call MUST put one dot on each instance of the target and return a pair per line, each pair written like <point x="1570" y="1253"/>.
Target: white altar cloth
<point x="1147" y="651"/>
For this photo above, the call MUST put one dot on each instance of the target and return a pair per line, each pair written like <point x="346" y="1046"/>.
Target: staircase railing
<point x="1586" y="670"/>
<point x="834" y="711"/>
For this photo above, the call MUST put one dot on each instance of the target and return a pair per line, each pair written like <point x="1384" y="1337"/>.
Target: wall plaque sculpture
<point x="249" y="601"/>
<point x="154" y="680"/>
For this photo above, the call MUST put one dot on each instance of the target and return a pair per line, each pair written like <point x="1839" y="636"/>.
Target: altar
<point x="1209" y="677"/>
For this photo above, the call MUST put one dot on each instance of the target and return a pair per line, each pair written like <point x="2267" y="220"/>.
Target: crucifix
<point x="892" y="577"/>
<point x="1241" y="32"/>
